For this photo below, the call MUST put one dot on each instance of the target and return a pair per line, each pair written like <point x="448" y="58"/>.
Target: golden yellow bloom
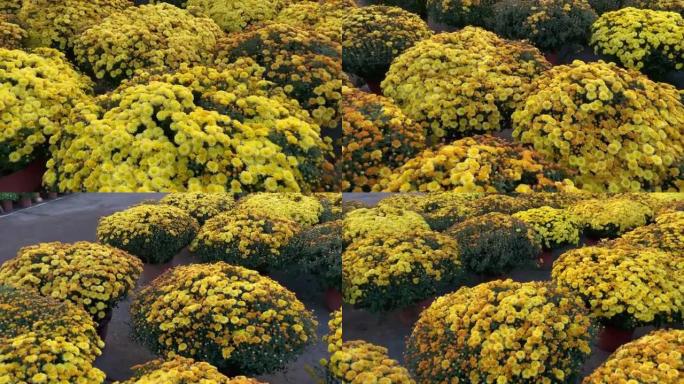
<point x="552" y="227"/>
<point x="609" y="217"/>
<point x="201" y="206"/>
<point x="234" y="16"/>
<point x="302" y="209"/>
<point x="181" y="370"/>
<point x="11" y="34"/>
<point x="381" y="220"/>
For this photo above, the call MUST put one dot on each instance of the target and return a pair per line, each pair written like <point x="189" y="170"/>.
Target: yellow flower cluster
<point x="554" y="24"/>
<point x="147" y="36"/>
<point x="666" y="234"/>
<point x="11" y="34"/>
<point x="10" y="7"/>
<point x="104" y="275"/>
<point x="334" y="336"/>
<point x="244" y="238"/>
<point x="659" y="5"/>
<point x="154" y="233"/>
<point x="620" y="130"/>
<point x="359" y="362"/>
<point x="39" y="90"/>
<point x="501" y="332"/>
<point x="302" y="209"/>
<point x="460" y="13"/>
<point x="376" y="137"/>
<point x="322" y="16"/>
<point x="201" y="206"/>
<point x="657" y="357"/>
<point x="181" y="370"/>
<point x="234" y="16"/>
<point x="626" y="287"/>
<point x="225" y="315"/>
<point x="552" y="226"/>
<point x="362" y="222"/>
<point x="305" y="63"/>
<point x="375" y="35"/>
<point x="440" y="209"/>
<point x="332" y="205"/>
<point x="641" y="39"/>
<point x="476" y="164"/>
<point x="384" y="271"/>
<point x="156" y="136"/>
<point x="46" y="341"/>
<point x="610" y="216"/>
<point x="57" y="24"/>
<point x="462" y="82"/>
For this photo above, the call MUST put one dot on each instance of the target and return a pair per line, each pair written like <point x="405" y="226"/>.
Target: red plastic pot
<point x="28" y="179"/>
<point x="7" y="205"/>
<point x="103" y="324"/>
<point x="546" y="259"/>
<point x="25" y="202"/>
<point x="333" y="299"/>
<point x="611" y="338"/>
<point x="591" y="241"/>
<point x="409" y="315"/>
<point x="374" y="86"/>
<point x="552" y="57"/>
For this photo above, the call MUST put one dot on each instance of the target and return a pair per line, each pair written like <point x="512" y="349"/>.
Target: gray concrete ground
<point x="74" y="217"/>
<point x="391" y="329"/>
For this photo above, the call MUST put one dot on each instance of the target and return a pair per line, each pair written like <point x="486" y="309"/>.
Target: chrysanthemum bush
<point x="225" y="315"/>
<point x="501" y="332"/>
<point x="197" y="129"/>
<point x="419" y="7"/>
<point x="181" y="370"/>
<point x="439" y="209"/>
<point x="247" y="239"/>
<point x="302" y="209"/>
<point x="332" y="205"/>
<point x="552" y="227"/>
<point x="460" y="13"/>
<point x="548" y="24"/>
<point x="235" y="16"/>
<point x="43" y="340"/>
<point x="618" y="129"/>
<point x="494" y="243"/>
<point x="656" y="358"/>
<point x="376" y="137"/>
<point x="39" y="90"/>
<point x="317" y="251"/>
<point x="477" y="164"/>
<point x="373" y="36"/>
<point x="666" y="234"/>
<point x="641" y="39"/>
<point x="602" y="6"/>
<point x="147" y="36"/>
<point x="322" y="16"/>
<point x="58" y="23"/>
<point x="381" y="220"/>
<point x="104" y="275"/>
<point x="201" y="206"/>
<point x="305" y="63"/>
<point x="462" y="82"/>
<point x="610" y="217"/>
<point x="11" y="34"/>
<point x="154" y="233"/>
<point x="382" y="272"/>
<point x="623" y="286"/>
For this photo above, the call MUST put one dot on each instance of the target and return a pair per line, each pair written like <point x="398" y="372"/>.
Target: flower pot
<point x="24" y="180"/>
<point x="591" y="241"/>
<point x="546" y="259"/>
<point x="611" y="338"/>
<point x="374" y="86"/>
<point x="103" y="324"/>
<point x="333" y="299"/>
<point x="25" y="202"/>
<point x="408" y="316"/>
<point x="6" y="205"/>
<point x="552" y="57"/>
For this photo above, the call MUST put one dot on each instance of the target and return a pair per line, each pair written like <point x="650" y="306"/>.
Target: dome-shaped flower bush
<point x="654" y="358"/>
<point x="548" y="24"/>
<point x="494" y="243"/>
<point x="11" y="34"/>
<point x="666" y="234"/>
<point x="642" y="39"/>
<point x="623" y="286"/>
<point x="476" y="164"/>
<point x="57" y="23"/>
<point x="43" y="340"/>
<point x="181" y="370"/>
<point x="234" y="16"/>
<point x="376" y="137"/>
<point x="552" y="227"/>
<point x="197" y="129"/>
<point x="610" y="217"/>
<point x="38" y="91"/>
<point x="302" y="209"/>
<point x="147" y="36"/>
<point x="305" y="63"/>
<point x="618" y="129"/>
<point x="362" y="222"/>
<point x="104" y="275"/>
<point x="228" y="316"/>
<point x="462" y="82"/>
<point x="242" y="238"/>
<point x="387" y="271"/>
<point x="501" y="332"/>
<point x="201" y="206"/>
<point x="460" y="13"/>
<point x="419" y="7"/>
<point x="373" y="36"/>
<point x="439" y="209"/>
<point x="317" y="251"/>
<point x="322" y="16"/>
<point x="602" y="6"/>
<point x="154" y="233"/>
